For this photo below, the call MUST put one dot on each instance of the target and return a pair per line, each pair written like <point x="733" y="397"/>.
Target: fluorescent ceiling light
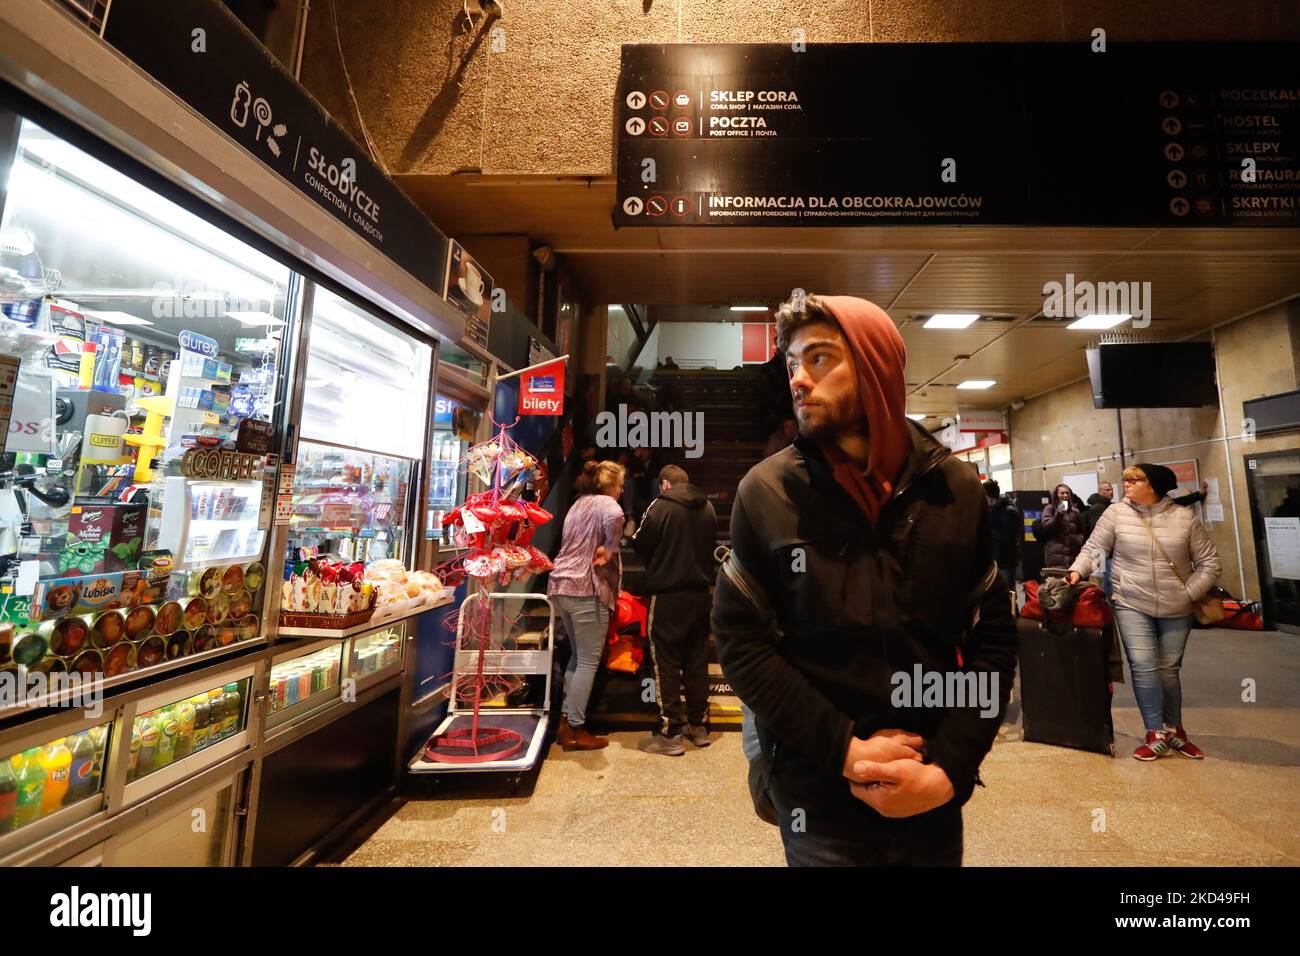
<point x="749" y="308"/>
<point x="256" y="318"/>
<point x="1099" y="321"/>
<point x="117" y="318"/>
<point x="917" y="416"/>
<point x="978" y="383"/>
<point x="951" y="320"/>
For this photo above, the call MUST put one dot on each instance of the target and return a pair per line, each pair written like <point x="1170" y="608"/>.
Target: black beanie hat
<point x="1162" y="479"/>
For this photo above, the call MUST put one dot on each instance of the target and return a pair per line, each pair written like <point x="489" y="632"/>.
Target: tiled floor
<point x="1042" y="805"/>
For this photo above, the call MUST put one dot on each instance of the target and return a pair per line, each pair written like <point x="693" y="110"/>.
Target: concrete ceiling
<point x="1200" y="278"/>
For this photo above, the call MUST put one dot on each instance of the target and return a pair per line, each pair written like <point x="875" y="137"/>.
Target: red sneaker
<point x="1153" y="748"/>
<point x="1178" y="740"/>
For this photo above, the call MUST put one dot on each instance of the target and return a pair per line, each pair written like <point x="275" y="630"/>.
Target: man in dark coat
<point x="1008" y="528"/>
<point x="862" y="560"/>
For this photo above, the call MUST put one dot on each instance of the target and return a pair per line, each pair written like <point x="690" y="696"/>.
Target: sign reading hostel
<point x="1050" y="134"/>
<point x="202" y="53"/>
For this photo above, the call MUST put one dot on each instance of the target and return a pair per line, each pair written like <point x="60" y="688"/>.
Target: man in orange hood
<point x="861" y="566"/>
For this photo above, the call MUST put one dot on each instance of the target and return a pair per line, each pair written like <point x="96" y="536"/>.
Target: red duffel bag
<point x="1091" y="609"/>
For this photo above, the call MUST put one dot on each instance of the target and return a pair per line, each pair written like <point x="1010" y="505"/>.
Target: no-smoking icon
<point x="659" y="100"/>
<point x="656" y="205"/>
<point x="658" y="126"/>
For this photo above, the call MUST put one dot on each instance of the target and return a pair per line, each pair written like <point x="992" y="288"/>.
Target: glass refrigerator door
<point x="139" y="333"/>
<point x="44" y="782"/>
<point x="365" y="407"/>
<point x="378" y="652"/>
<point x="304" y="681"/>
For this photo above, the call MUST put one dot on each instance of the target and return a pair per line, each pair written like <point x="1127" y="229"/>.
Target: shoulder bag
<point x="1209" y="609"/>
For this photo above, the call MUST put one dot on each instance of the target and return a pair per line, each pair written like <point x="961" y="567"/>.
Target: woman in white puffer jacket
<point x="1153" y="605"/>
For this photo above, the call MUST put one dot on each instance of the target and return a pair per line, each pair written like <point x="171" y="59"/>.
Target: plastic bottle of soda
<point x="168" y="726"/>
<point x="217" y="713"/>
<point x="150" y="731"/>
<point x="133" y="766"/>
<point x="185" y="729"/>
<point x="202" y="722"/>
<point x="81" y="778"/>
<point x="99" y="738"/>
<point x="56" y="760"/>
<point x="8" y="796"/>
<point x="234" y="710"/>
<point x="31" y="788"/>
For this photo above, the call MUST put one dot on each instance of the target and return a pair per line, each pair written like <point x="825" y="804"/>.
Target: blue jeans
<point x="586" y="620"/>
<point x="896" y="843"/>
<point x="1154" y="647"/>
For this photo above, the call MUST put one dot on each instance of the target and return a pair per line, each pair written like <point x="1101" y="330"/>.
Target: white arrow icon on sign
<point x="635" y="126"/>
<point x="635" y="100"/>
<point x="632" y="205"/>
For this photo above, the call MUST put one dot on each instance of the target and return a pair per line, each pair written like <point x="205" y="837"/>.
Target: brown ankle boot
<point x="564" y="737"/>
<point x="583" y="739"/>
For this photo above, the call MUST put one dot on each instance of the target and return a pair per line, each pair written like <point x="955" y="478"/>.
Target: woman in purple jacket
<point x="584" y="588"/>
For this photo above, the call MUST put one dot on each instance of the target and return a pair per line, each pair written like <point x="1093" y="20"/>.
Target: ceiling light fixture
<point x="951" y="320"/>
<point x="255" y="318"/>
<point x="917" y="416"/>
<point x="1099" y="321"/>
<point x="117" y="318"/>
<point x="749" y="308"/>
<point x="978" y="383"/>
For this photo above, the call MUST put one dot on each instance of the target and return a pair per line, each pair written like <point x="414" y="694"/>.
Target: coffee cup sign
<point x="212" y="464"/>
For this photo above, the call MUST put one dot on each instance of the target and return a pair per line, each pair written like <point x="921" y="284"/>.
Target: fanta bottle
<point x="56" y="760"/>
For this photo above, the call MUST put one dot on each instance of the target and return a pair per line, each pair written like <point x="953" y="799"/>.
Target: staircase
<point x="735" y="434"/>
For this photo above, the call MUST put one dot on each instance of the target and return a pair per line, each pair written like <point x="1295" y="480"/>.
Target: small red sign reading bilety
<point x="542" y="390"/>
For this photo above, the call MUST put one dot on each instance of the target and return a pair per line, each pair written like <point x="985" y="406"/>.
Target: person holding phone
<point x="1161" y="561"/>
<point x="1061" y="528"/>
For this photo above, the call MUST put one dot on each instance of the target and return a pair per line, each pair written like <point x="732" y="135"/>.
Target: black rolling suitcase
<point x="1065" y="689"/>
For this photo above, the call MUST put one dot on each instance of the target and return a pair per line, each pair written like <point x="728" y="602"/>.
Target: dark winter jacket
<point x="1008" y="528"/>
<point x="1097" y="506"/>
<point x="1062" y="534"/>
<point x="817" y="609"/>
<point x="677" y="537"/>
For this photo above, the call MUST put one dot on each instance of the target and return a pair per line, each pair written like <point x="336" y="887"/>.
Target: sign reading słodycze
<point x="203" y="54"/>
<point x="931" y="134"/>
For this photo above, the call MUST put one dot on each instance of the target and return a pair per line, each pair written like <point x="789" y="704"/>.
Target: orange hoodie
<point x="879" y="359"/>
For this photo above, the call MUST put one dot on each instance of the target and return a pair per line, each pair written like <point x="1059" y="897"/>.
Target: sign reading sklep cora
<point x="542" y="391"/>
<point x="651" y="430"/>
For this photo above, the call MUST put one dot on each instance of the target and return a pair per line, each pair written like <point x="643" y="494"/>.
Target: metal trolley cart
<point x="500" y="692"/>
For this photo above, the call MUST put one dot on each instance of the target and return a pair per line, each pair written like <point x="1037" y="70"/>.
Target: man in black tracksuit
<point x="859" y="553"/>
<point x="677" y="537"/>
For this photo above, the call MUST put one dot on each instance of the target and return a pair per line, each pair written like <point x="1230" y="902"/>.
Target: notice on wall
<point x="1283" y="547"/>
<point x="1213" y="503"/>
<point x="1083" y="484"/>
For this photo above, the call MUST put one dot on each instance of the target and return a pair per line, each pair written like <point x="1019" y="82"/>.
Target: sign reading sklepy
<point x="856" y="134"/>
<point x="542" y="390"/>
<point x="200" y="51"/>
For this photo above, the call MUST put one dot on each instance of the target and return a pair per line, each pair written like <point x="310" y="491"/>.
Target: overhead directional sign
<point x="929" y="134"/>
